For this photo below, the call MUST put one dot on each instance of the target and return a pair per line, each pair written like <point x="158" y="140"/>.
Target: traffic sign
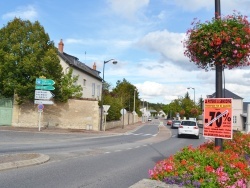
<point x="106" y="108"/>
<point x="42" y="81"/>
<point x="123" y="111"/>
<point x="44" y="87"/>
<point x="218" y="118"/>
<point x="41" y="94"/>
<point x="43" y="102"/>
<point x="40" y="106"/>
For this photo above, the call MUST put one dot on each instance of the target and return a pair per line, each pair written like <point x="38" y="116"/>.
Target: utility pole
<point x="218" y="74"/>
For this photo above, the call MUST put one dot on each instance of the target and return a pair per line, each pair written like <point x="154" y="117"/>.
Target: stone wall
<point x="75" y="114"/>
<point x="127" y="120"/>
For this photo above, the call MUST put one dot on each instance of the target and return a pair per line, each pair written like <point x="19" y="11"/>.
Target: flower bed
<point x="206" y="166"/>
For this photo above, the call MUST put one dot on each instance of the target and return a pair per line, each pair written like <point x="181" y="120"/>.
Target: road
<point x="85" y="161"/>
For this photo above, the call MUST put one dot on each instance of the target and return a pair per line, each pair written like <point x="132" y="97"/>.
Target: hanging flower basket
<point x="224" y="41"/>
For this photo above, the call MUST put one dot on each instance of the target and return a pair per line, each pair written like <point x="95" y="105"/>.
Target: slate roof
<point x="245" y="104"/>
<point x="226" y="94"/>
<point x="75" y="63"/>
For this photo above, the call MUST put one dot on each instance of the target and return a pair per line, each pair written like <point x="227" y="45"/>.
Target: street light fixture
<point x="194" y="92"/>
<point x="114" y="62"/>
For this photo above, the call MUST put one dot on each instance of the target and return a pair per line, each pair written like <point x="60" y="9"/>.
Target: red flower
<point x="209" y="169"/>
<point x="221" y="41"/>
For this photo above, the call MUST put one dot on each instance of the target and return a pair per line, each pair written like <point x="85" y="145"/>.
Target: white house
<point x="89" y="78"/>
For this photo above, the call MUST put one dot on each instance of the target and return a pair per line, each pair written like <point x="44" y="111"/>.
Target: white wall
<point x="88" y="88"/>
<point x="237" y="111"/>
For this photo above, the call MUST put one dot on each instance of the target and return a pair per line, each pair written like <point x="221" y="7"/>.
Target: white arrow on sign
<point x="43" y="102"/>
<point x="42" y="94"/>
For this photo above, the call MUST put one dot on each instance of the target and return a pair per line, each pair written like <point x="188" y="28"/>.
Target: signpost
<point x="43" y="102"/>
<point x="40" y="110"/>
<point x="47" y="82"/>
<point x="123" y="112"/>
<point x="43" y="94"/>
<point x="218" y="118"/>
<point x="105" y="110"/>
<point x="45" y="87"/>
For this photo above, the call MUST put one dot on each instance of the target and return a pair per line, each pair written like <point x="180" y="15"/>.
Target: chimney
<point x="94" y="66"/>
<point x="60" y="46"/>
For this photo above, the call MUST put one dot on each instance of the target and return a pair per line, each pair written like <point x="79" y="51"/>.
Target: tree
<point x="184" y="106"/>
<point x="187" y="96"/>
<point x="26" y="53"/>
<point x="69" y="89"/>
<point x="125" y="91"/>
<point x="122" y="96"/>
<point x="115" y="107"/>
<point x="200" y="104"/>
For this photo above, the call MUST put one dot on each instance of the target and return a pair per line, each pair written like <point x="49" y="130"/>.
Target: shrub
<point x="206" y="166"/>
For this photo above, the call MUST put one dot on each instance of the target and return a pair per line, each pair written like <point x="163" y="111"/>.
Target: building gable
<point x="226" y="94"/>
<point x="75" y="63"/>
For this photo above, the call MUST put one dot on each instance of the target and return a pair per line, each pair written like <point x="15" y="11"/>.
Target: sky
<point x="144" y="36"/>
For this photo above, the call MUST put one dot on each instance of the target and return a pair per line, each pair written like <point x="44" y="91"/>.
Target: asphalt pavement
<point x="12" y="161"/>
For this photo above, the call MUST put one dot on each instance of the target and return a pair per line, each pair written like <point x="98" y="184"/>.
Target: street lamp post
<point x="134" y="105"/>
<point x="194" y="92"/>
<point x="218" y="74"/>
<point x="114" y="62"/>
<point x="143" y="112"/>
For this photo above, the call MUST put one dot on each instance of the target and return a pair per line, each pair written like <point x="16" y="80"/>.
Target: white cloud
<point x="25" y="12"/>
<point x="129" y="8"/>
<point x="193" y="5"/>
<point x="169" y="45"/>
<point x="118" y="44"/>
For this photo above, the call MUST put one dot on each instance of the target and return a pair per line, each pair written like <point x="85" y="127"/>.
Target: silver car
<point x="175" y="124"/>
<point x="189" y="127"/>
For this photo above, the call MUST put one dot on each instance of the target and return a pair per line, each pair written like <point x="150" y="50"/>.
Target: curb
<point x="22" y="163"/>
<point x="147" y="183"/>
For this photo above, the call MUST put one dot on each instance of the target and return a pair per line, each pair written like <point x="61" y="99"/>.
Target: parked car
<point x="175" y="124"/>
<point x="188" y="127"/>
<point x="169" y="122"/>
<point x="149" y="119"/>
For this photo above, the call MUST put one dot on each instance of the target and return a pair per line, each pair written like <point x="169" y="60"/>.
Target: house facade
<point x="89" y="78"/>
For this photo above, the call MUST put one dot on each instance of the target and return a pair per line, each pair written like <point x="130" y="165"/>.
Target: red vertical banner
<point x="218" y="118"/>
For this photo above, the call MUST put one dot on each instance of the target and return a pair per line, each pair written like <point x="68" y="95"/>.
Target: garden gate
<point x="6" y="107"/>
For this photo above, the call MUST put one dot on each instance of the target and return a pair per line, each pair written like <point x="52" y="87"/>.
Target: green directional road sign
<point x="48" y="82"/>
<point x="45" y="87"/>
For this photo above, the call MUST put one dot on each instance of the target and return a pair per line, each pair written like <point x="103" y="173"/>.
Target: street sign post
<point x="43" y="102"/>
<point x="42" y="81"/>
<point x="218" y="118"/>
<point x="41" y="94"/>
<point x="40" y="110"/>
<point x="44" y="87"/>
<point x="40" y="107"/>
